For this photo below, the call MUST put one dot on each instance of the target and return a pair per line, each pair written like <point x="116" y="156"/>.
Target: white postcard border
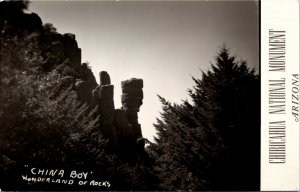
<point x="280" y="19"/>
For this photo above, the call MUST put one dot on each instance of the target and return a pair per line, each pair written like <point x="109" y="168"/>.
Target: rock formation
<point x="120" y="126"/>
<point x="61" y="52"/>
<point x="106" y="108"/>
<point x="132" y="99"/>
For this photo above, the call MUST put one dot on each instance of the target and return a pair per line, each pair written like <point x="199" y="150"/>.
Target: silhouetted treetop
<point x="202" y="145"/>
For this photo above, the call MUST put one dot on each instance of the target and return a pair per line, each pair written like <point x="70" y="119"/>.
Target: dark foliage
<point x="42" y="123"/>
<point x="13" y="21"/>
<point x="213" y="143"/>
<point x="209" y="144"/>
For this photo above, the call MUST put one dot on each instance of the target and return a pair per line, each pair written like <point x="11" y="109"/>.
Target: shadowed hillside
<point x="53" y="112"/>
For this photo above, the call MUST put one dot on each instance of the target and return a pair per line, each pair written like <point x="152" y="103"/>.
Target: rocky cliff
<point x="61" y="53"/>
<point x="119" y="126"/>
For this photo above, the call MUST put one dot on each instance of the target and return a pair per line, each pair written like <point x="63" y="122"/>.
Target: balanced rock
<point x="104" y="78"/>
<point x="132" y="99"/>
<point x="132" y="83"/>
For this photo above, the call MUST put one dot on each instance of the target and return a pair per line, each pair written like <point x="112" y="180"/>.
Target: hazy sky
<point x="163" y="42"/>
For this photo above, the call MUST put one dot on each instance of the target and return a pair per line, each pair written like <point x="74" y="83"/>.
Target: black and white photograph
<point x="130" y="95"/>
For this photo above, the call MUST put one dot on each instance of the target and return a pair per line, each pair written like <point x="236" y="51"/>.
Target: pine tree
<point x="213" y="143"/>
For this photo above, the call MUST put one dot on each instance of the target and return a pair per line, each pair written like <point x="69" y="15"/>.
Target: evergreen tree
<point x="213" y="143"/>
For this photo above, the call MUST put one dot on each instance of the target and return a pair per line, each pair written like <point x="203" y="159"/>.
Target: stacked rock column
<point x="132" y="99"/>
<point x="105" y="94"/>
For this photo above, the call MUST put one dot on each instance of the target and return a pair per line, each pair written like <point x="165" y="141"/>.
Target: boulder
<point x="104" y="78"/>
<point x="132" y="97"/>
<point x="131" y="84"/>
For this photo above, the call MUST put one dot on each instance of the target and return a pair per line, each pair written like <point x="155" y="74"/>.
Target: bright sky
<point x="163" y="42"/>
